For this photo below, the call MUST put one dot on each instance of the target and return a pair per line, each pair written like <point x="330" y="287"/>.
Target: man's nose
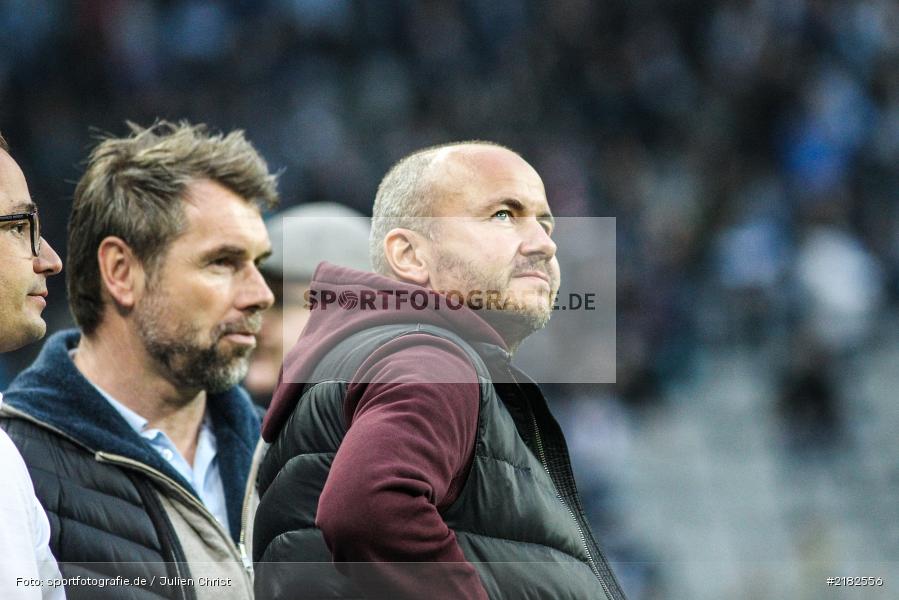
<point x="255" y="294"/>
<point x="537" y="241"/>
<point x="47" y="262"/>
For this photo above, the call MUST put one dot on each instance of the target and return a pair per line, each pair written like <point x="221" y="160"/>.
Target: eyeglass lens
<point x="35" y="234"/>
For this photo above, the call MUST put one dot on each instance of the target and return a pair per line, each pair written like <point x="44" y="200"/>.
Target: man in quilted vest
<point x="405" y="446"/>
<point x="137" y="435"/>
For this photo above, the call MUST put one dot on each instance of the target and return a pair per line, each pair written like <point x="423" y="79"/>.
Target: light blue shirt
<point x="205" y="476"/>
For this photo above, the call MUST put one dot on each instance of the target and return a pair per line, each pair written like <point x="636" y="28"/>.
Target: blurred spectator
<point x="752" y="255"/>
<point x="841" y="285"/>
<point x="301" y="237"/>
<point x="809" y="404"/>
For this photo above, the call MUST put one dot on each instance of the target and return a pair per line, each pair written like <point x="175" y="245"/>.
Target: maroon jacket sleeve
<point x="406" y="454"/>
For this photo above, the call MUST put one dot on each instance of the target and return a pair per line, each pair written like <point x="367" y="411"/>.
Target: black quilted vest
<point x="518" y="519"/>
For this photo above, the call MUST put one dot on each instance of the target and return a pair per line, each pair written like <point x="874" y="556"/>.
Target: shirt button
<point x="168" y="454"/>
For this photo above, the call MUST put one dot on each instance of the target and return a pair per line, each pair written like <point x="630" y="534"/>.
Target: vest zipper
<point x="542" y="456"/>
<point x="245" y="509"/>
<point x="186" y="496"/>
<point x="580" y="531"/>
<point x="244" y="518"/>
<point x="242" y="544"/>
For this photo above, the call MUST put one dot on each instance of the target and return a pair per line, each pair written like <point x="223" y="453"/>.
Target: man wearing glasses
<point x="25" y="264"/>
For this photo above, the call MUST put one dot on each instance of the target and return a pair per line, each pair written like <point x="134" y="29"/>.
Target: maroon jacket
<point x="411" y="430"/>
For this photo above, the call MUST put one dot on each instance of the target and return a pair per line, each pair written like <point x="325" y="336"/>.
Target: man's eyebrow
<point x="516" y="205"/>
<point x="24" y="207"/>
<point x="231" y="251"/>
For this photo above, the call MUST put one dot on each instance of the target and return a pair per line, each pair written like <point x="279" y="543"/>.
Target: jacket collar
<point x="53" y="391"/>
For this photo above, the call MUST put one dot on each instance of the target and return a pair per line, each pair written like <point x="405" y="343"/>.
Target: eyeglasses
<point x="34" y="228"/>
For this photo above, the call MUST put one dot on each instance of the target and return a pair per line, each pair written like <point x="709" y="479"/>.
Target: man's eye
<point x="19" y="228"/>
<point x="223" y="262"/>
<point x="503" y="215"/>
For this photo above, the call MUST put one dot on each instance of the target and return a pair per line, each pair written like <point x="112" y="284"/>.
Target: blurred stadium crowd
<point x="747" y="148"/>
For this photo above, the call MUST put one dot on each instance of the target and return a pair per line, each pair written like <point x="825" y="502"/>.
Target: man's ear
<point x="121" y="272"/>
<point x="406" y="252"/>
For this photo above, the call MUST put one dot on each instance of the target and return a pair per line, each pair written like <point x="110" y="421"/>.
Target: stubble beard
<point x="514" y="318"/>
<point x="190" y="363"/>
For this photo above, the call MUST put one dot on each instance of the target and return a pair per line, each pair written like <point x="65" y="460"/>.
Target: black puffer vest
<point x="106" y="491"/>
<point x="518" y="518"/>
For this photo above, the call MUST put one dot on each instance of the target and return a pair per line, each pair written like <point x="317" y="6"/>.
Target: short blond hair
<point x="134" y="187"/>
<point x="3" y="145"/>
<point x="405" y="199"/>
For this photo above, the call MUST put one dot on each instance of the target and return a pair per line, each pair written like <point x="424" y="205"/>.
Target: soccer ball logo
<point x="347" y="300"/>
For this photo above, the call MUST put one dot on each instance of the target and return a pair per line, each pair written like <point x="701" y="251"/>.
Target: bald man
<point x="405" y="446"/>
<point x="26" y="260"/>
